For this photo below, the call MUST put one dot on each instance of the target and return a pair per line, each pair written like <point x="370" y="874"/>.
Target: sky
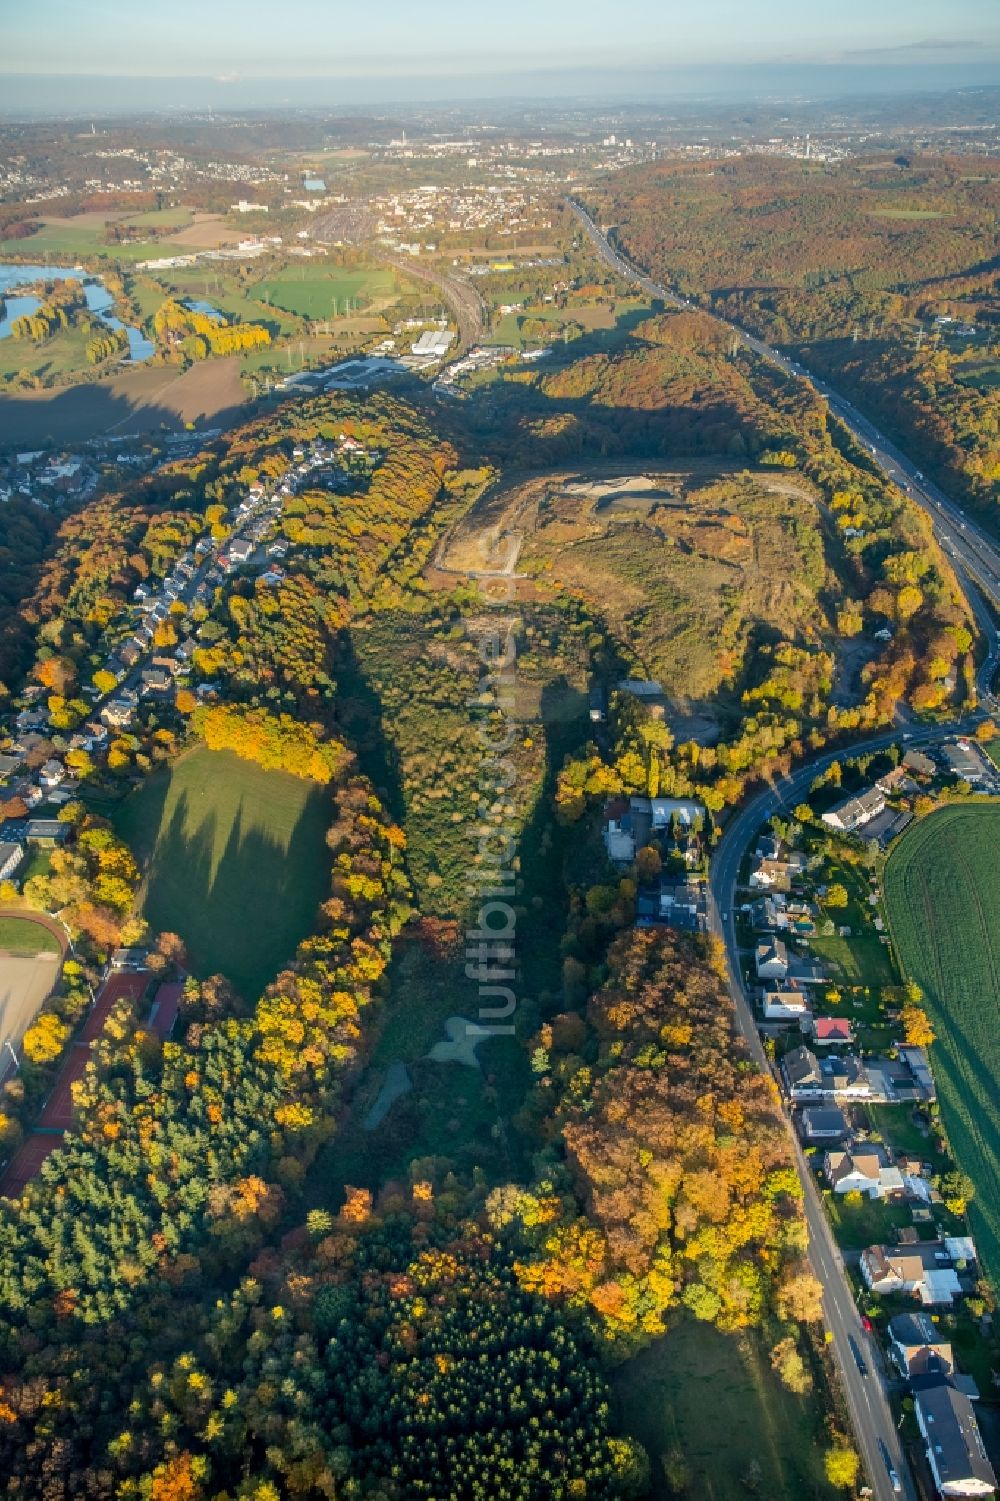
<point x="233" y="40"/>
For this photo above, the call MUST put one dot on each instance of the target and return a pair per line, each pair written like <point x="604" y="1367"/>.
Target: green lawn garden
<point x="942" y="888"/>
<point x="235" y="858"/>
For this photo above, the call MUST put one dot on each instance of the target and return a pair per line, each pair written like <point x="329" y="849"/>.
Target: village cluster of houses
<point x="824" y="1081"/>
<point x="139" y="670"/>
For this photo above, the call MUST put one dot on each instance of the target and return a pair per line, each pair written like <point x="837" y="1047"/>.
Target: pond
<point x="198" y="305"/>
<point x="99" y="301"/>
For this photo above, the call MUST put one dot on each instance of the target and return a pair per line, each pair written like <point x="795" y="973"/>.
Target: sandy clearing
<point x="24" y="984"/>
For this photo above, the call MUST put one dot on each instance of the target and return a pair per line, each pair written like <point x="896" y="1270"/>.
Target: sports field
<point x="22" y="936"/>
<point x="313" y="292"/>
<point x="235" y="861"/>
<point x="942" y="887"/>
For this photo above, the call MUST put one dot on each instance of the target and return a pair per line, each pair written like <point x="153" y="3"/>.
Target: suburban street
<point x="866" y="1395"/>
<point x="977" y="563"/>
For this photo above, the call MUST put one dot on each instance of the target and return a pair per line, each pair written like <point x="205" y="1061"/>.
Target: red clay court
<point x="129" y="983"/>
<point x="26" y="1162"/>
<point x="165" y="1006"/>
<point x="58" y="1112"/>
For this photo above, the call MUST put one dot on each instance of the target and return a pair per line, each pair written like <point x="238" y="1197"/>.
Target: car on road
<point x="859" y="1359"/>
<point x="887" y="1461"/>
<point x="866" y="1322"/>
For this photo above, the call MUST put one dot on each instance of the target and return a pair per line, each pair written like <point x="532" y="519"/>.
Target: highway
<point x="975" y="555"/>
<point x="976" y="559"/>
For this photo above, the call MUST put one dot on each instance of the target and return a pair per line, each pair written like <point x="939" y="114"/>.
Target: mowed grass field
<point x="942" y="888"/>
<point x="711" y="1403"/>
<point x="312" y="292"/>
<point x="235" y="861"/>
<point x="21" y="936"/>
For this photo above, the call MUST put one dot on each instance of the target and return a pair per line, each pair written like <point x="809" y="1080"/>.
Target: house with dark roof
<point x="808" y="1078"/>
<point x="771" y="959"/>
<point x="955" y="1449"/>
<point x="916" y="1348"/>
<point x="819" y="1123"/>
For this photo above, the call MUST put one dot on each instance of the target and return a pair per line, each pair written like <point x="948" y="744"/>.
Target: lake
<point x="99" y="300"/>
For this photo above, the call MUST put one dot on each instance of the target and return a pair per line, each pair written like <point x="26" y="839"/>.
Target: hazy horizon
<point x="31" y="95"/>
<point x="233" y="54"/>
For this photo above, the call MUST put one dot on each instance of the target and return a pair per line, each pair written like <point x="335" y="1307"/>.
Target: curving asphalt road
<point x="976" y="559"/>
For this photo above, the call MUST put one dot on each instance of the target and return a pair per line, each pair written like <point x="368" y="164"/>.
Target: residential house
<point x="684" y="905"/>
<point x="156" y="679"/>
<point x="907" y="1078"/>
<point x="915" y="1347"/>
<point x="52" y="773"/>
<point x="47" y="831"/>
<point x="771" y="959"/>
<point x="809" y="1078"/>
<point x="11" y="856"/>
<point x="785" y="1001"/>
<point x="924" y="1269"/>
<point x="887" y="826"/>
<point x="619" y="839"/>
<point x="9" y="765"/>
<point x="240" y="550"/>
<point x="665" y="810"/>
<point x="854" y="812"/>
<point x="800" y="1071"/>
<point x="826" y="1031"/>
<point x="919" y="764"/>
<point x="964" y="759"/>
<point x="955" y="1450"/>
<point x="823" y="1123"/>
<point x="770" y="914"/>
<point x="772" y="875"/>
<point x="117" y="714"/>
<point x="868" y="1172"/>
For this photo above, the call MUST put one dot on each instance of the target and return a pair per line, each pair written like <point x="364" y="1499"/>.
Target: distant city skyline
<point x="232" y="41"/>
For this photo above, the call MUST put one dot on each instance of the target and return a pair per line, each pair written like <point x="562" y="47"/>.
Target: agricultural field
<point x="942" y="892"/>
<point x="715" y="1419"/>
<point x="138" y="401"/>
<point x="235" y="861"/>
<point x="73" y="239"/>
<point x="317" y="293"/>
